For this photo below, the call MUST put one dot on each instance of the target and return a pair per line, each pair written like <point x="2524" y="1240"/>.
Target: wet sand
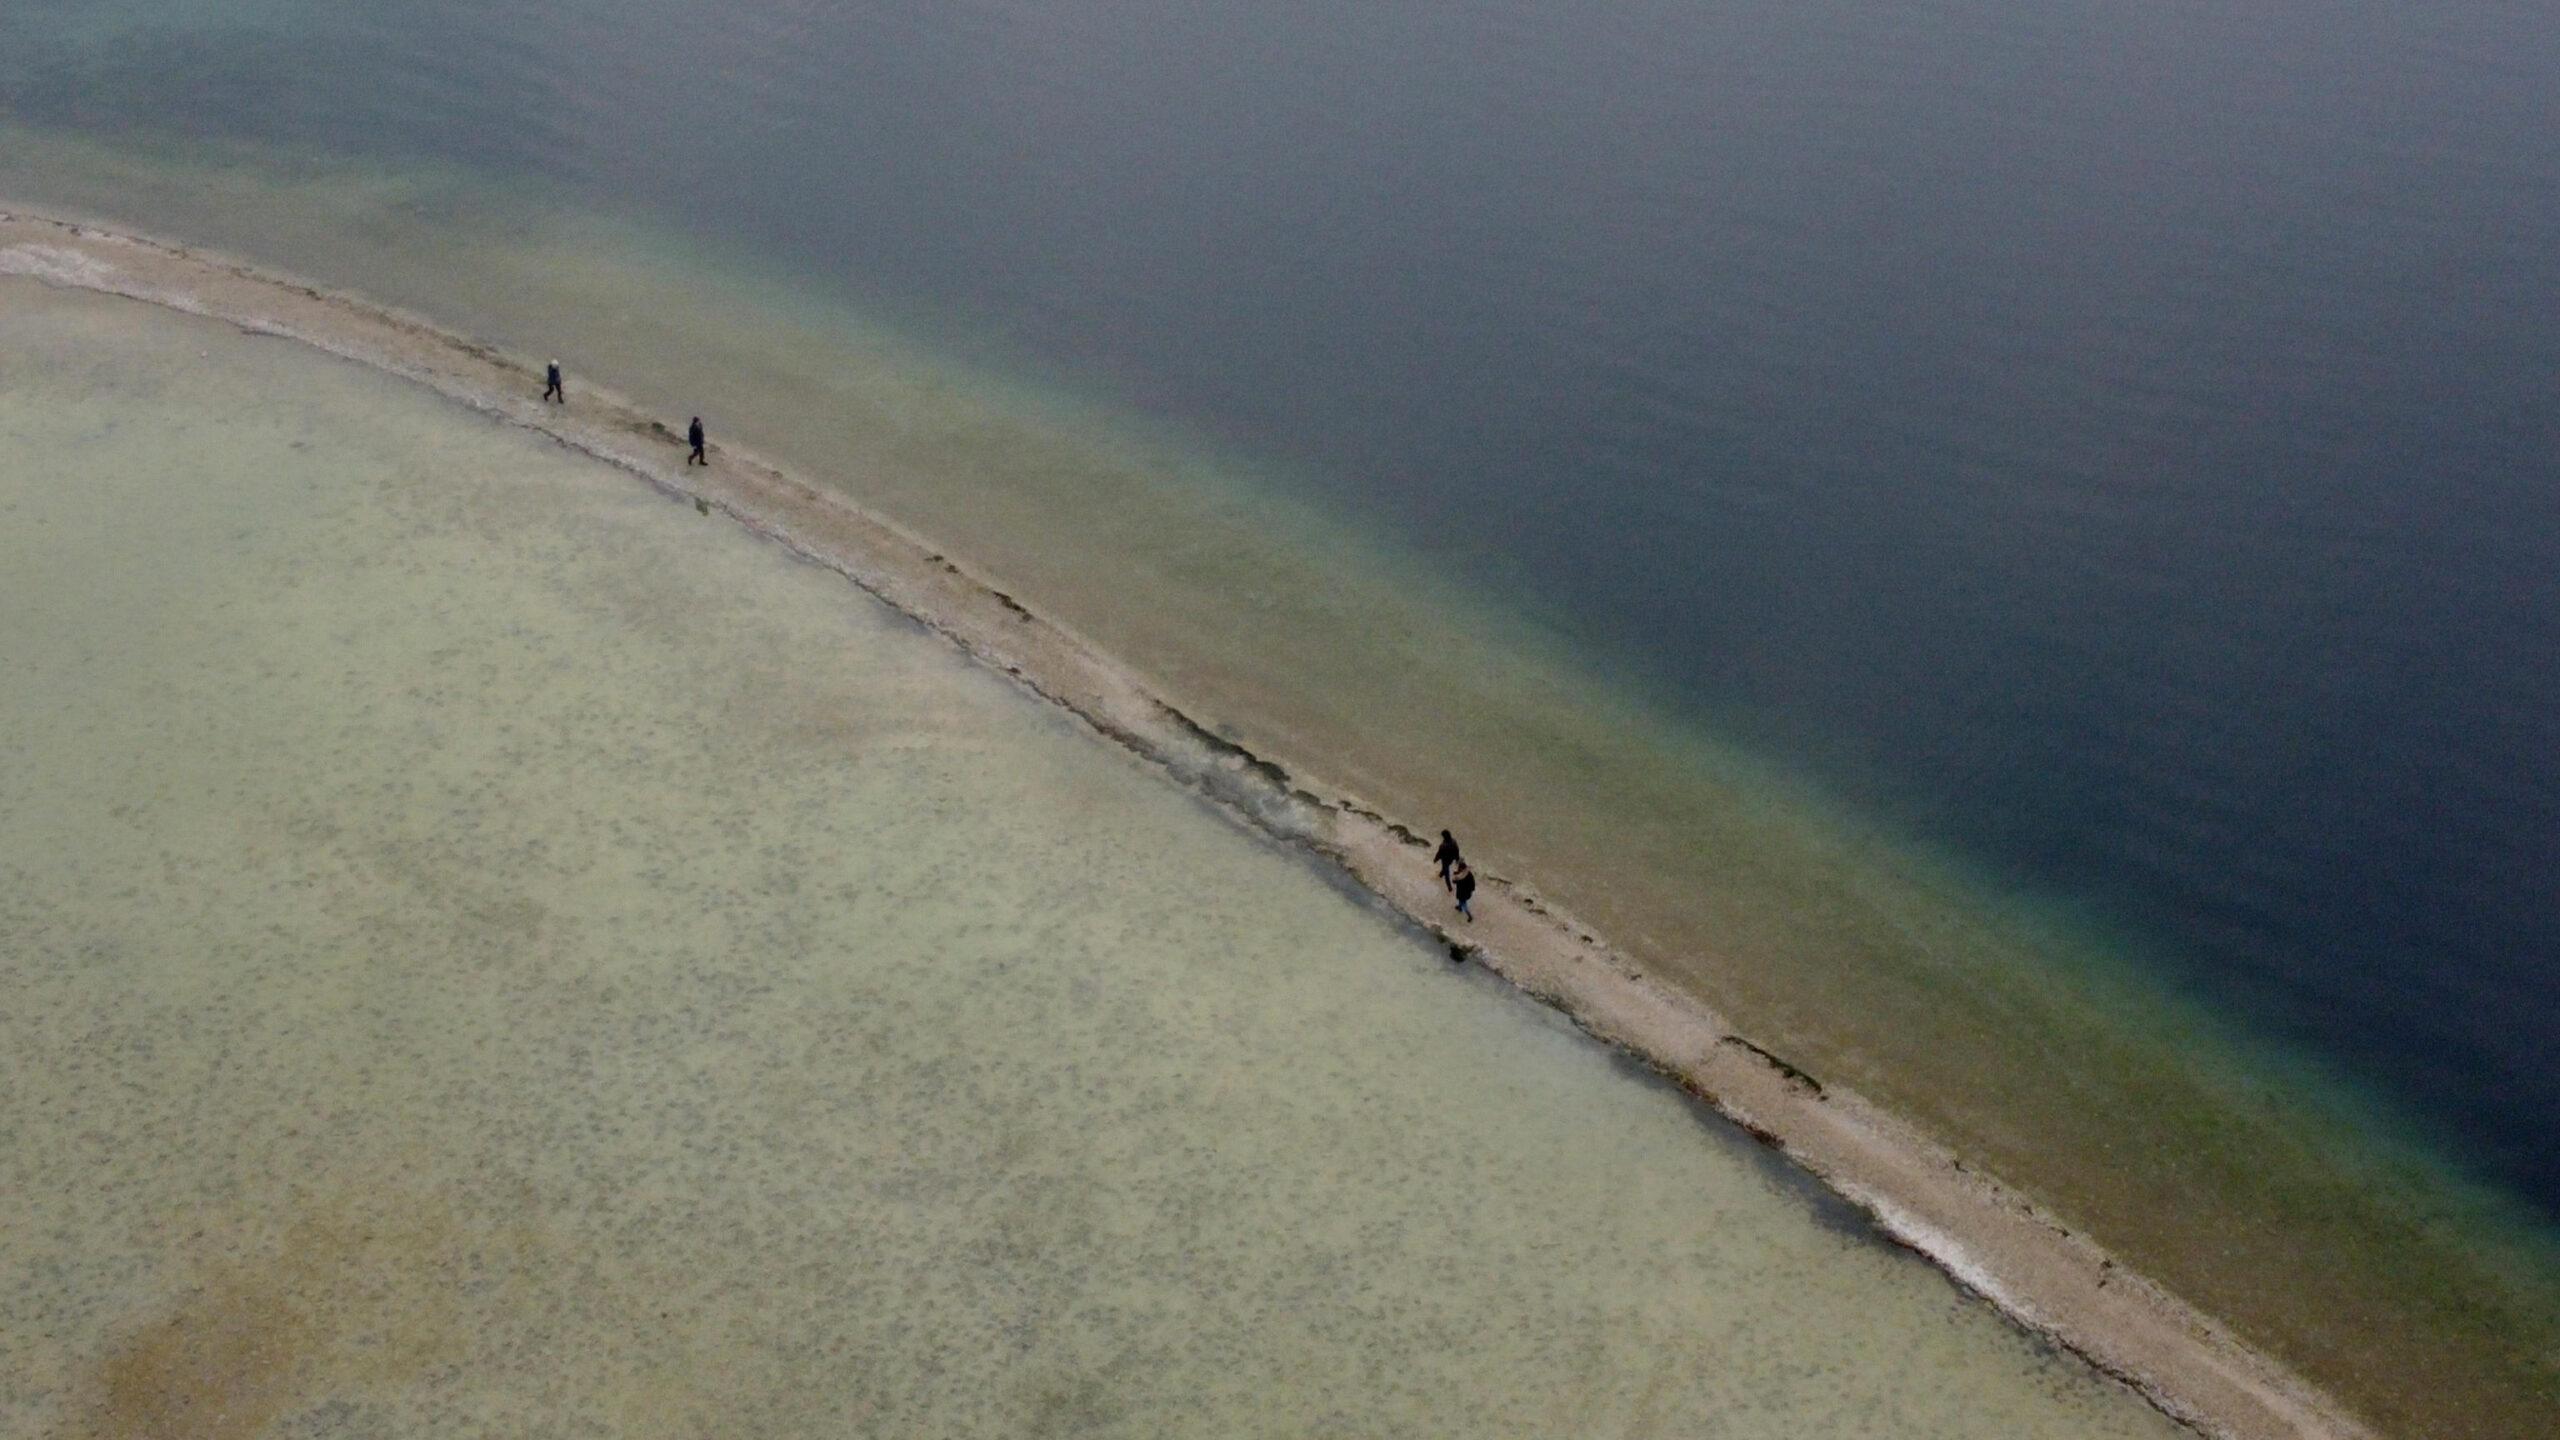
<point x="1993" y="1240"/>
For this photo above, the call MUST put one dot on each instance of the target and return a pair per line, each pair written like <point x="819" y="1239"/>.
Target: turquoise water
<point x="490" y="951"/>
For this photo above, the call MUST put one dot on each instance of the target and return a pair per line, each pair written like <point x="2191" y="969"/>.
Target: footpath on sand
<point x="1987" y="1237"/>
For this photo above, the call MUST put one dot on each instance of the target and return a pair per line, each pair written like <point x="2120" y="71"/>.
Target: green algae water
<point x="491" y="951"/>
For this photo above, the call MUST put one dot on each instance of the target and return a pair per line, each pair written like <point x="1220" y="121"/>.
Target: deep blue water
<point x="2115" y="441"/>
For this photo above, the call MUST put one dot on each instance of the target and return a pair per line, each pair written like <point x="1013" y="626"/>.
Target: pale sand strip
<point x="1987" y="1237"/>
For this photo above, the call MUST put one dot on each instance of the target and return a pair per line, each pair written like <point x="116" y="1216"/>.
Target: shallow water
<point x="2237" y="1175"/>
<point x="492" y="951"/>
<point x="2112" y="443"/>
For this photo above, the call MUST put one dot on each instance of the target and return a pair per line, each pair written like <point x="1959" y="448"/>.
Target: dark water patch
<point x="307" y="86"/>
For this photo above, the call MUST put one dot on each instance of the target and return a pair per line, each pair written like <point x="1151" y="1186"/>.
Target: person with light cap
<point x="552" y="389"/>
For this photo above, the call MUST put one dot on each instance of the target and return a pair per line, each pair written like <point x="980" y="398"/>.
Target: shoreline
<point x="1986" y="1237"/>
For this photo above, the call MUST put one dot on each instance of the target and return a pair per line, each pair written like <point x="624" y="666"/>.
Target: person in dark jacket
<point x="1463" y="881"/>
<point x="551" y="385"/>
<point x="1445" y="856"/>
<point x="693" y="436"/>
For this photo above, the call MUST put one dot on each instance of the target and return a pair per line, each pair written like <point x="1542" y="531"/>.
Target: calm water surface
<point x="2116" y="442"/>
<point x="490" y="951"/>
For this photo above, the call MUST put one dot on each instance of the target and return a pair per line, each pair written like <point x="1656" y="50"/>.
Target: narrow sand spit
<point x="1988" y="1238"/>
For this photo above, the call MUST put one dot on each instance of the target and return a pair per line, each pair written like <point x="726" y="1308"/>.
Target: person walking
<point x="551" y="389"/>
<point x="1463" y="881"/>
<point x="693" y="436"/>
<point x="1445" y="856"/>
